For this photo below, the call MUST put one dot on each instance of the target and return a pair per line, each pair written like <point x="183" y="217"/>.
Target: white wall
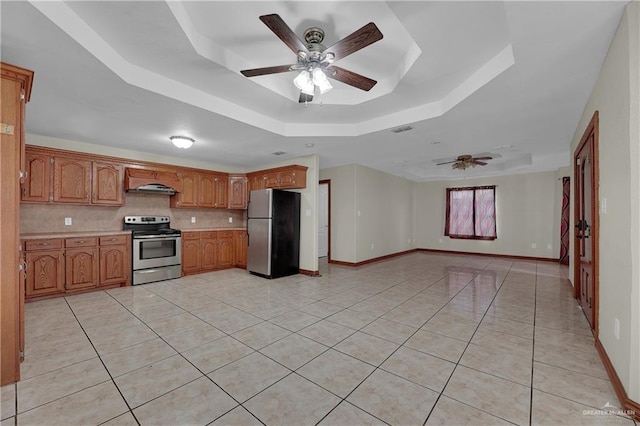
<point x="343" y="212"/>
<point x="371" y="213"/>
<point x="526" y="210"/>
<point x="616" y="96"/>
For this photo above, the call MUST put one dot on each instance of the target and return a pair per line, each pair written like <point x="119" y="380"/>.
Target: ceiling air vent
<point x="279" y="153"/>
<point x="402" y="129"/>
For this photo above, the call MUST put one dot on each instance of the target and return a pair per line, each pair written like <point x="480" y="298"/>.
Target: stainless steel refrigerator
<point x="273" y="226"/>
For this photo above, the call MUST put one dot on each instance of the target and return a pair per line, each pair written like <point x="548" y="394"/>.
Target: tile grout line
<point x="533" y="349"/>
<point x="457" y="363"/>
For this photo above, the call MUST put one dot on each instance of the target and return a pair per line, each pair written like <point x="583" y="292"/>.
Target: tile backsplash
<point x="37" y="218"/>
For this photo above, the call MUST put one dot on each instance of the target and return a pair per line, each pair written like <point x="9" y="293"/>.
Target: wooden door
<point x="238" y="192"/>
<point x="586" y="223"/>
<point x="15" y="87"/>
<point x="207" y="190"/>
<point x="188" y="197"/>
<point x="114" y="264"/>
<point x="221" y="192"/>
<point x="108" y="179"/>
<point x="225" y="249"/>
<point x="209" y="249"/>
<point x="71" y="180"/>
<point x="190" y="252"/>
<point x="81" y="266"/>
<point x="45" y="273"/>
<point x="240" y="249"/>
<point x="37" y="185"/>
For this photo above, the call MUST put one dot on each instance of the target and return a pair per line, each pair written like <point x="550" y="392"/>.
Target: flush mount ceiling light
<point x="183" y="142"/>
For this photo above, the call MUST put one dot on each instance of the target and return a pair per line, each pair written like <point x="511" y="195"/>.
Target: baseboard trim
<point x="507" y="256"/>
<point x="628" y="405"/>
<point x="375" y="259"/>
<point x="310" y="273"/>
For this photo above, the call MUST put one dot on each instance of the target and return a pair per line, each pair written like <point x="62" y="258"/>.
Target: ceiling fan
<point x="315" y="61"/>
<point x="463" y="162"/>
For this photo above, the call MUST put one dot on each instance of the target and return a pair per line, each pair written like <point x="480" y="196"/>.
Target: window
<point x="471" y="213"/>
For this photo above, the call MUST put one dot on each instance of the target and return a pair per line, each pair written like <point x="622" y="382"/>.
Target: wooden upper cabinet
<point x="37" y="185"/>
<point x="238" y="192"/>
<point x="189" y="196"/>
<point x="289" y="177"/>
<point x="71" y="180"/>
<point x="207" y="190"/>
<point x="108" y="181"/>
<point x="221" y="191"/>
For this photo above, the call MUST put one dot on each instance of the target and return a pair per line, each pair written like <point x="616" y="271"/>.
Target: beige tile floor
<point x="418" y="339"/>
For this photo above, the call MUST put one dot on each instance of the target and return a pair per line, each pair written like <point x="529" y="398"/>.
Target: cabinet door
<point x="272" y="180"/>
<point x="225" y="250"/>
<point x="81" y="268"/>
<point x="240" y="249"/>
<point x="188" y="197"/>
<point x="208" y="247"/>
<point x="115" y="264"/>
<point x="108" y="179"/>
<point x="37" y="185"/>
<point x="221" y="192"/>
<point x="190" y="256"/>
<point x="207" y="190"/>
<point x="45" y="273"/>
<point x="238" y="192"/>
<point x="257" y="182"/>
<point x="71" y="180"/>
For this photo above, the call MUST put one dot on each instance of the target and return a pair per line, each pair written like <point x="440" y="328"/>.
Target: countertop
<point x="39" y="235"/>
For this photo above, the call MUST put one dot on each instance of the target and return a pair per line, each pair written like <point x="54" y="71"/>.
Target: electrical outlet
<point x="534" y="245"/>
<point x="193" y="219"/>
<point x="372" y="247"/>
<point x="68" y="221"/>
<point x="230" y="219"/>
<point x="616" y="328"/>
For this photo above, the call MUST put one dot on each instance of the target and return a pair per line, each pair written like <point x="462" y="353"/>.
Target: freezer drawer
<point x="259" y="250"/>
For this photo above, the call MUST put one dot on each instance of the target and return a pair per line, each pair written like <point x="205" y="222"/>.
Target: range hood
<point x="151" y="181"/>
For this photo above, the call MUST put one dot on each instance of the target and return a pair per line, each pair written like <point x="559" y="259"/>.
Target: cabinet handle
<point x="44" y="244"/>
<point x="24" y="174"/>
<point x="22" y="266"/>
<point x="24" y="192"/>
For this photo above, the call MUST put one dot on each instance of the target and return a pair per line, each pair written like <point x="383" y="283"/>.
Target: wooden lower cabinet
<point x="204" y="251"/>
<point x="61" y="266"/>
<point x="115" y="260"/>
<point x="45" y="273"/>
<point x="240" y="246"/>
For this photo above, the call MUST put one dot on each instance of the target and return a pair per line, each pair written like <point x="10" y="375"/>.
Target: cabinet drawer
<point x="190" y="235"/>
<point x="225" y="234"/>
<point x="113" y="240"/>
<point x="80" y="242"/>
<point x="208" y="234"/>
<point x="44" y="244"/>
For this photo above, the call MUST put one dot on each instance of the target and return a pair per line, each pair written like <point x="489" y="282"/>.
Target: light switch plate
<point x="230" y="220"/>
<point x="193" y="219"/>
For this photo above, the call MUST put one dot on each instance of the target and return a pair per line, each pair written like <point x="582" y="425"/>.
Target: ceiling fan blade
<point x="448" y="162"/>
<point x="284" y="33"/>
<point x="479" y="163"/>
<point x="357" y="40"/>
<point x="266" y="70"/>
<point x="351" y="78"/>
<point x="483" y="158"/>
<point x="304" y="98"/>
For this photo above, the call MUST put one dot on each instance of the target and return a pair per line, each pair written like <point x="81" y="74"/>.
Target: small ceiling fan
<point x="315" y="61"/>
<point x="463" y="162"/>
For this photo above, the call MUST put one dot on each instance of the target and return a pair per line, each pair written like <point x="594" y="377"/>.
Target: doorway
<point x="324" y="219"/>
<point x="586" y="223"/>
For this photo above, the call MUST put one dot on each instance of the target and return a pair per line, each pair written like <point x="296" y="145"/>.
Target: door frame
<point x="328" y="183"/>
<point x="595" y="215"/>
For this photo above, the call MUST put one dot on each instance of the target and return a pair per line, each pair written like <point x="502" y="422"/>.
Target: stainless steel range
<point x="157" y="249"/>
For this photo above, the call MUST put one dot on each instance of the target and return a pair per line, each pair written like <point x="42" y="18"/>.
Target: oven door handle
<point x="156" y="237"/>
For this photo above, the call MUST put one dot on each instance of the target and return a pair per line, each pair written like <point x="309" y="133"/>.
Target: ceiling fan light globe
<point x="320" y="80"/>
<point x="304" y="83"/>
